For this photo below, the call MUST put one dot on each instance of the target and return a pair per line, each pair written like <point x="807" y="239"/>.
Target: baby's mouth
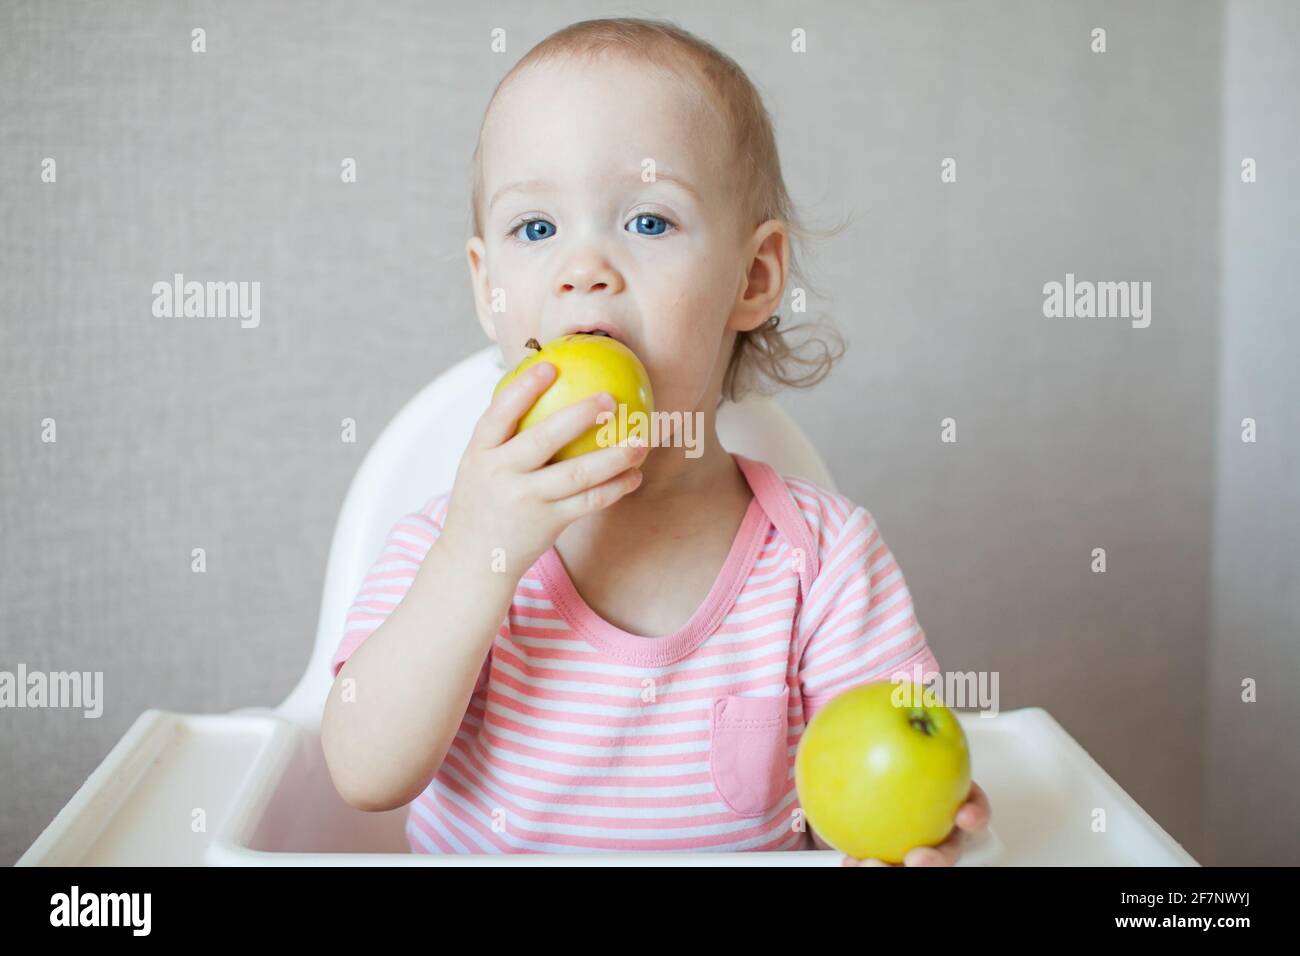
<point x="599" y="328"/>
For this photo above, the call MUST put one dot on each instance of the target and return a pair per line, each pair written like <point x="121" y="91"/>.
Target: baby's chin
<point x="683" y="401"/>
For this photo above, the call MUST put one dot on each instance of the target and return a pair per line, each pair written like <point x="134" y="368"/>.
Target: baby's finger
<point x="945" y="854"/>
<point x="852" y="861"/>
<point x="565" y="478"/>
<point x="530" y="450"/>
<point x="974" y="814"/>
<point x="499" y="422"/>
<point x="601" y="496"/>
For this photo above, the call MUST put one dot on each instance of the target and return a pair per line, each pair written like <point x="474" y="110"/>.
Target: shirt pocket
<point x="748" y="756"/>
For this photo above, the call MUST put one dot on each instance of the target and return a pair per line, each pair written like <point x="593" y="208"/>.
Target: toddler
<point x="620" y="651"/>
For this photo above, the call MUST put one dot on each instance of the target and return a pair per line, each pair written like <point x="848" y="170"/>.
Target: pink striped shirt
<point x="582" y="737"/>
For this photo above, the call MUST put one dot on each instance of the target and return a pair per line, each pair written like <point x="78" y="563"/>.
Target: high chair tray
<point x="251" y="788"/>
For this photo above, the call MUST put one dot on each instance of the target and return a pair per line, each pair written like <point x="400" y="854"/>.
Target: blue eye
<point x="535" y="230"/>
<point x="654" y="225"/>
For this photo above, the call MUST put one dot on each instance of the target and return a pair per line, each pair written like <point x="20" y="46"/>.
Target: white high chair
<point x="251" y="787"/>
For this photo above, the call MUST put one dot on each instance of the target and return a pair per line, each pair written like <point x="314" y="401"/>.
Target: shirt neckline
<point x="656" y="651"/>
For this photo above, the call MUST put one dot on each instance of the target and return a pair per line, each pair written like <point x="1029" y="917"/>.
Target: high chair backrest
<point x="416" y="456"/>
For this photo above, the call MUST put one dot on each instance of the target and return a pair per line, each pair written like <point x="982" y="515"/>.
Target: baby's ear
<point x="761" y="296"/>
<point x="476" y="256"/>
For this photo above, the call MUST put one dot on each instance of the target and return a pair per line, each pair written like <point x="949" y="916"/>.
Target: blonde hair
<point x="767" y="353"/>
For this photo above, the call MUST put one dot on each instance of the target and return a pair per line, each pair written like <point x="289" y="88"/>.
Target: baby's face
<point x="584" y="241"/>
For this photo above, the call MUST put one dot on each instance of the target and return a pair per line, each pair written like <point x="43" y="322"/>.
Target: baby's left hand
<point x="972" y="816"/>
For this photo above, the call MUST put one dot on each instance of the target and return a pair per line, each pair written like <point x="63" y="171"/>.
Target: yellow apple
<point x="587" y="363"/>
<point x="881" y="769"/>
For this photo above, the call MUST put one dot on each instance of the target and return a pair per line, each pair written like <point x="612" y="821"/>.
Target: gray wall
<point x="1252" y="759"/>
<point x="1072" y="434"/>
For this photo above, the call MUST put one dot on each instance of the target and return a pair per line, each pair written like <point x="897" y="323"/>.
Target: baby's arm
<point x="414" y="675"/>
<point x="412" y="678"/>
<point x="412" y="681"/>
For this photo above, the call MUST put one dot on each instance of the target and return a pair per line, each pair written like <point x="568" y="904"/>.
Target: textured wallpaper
<point x="999" y="431"/>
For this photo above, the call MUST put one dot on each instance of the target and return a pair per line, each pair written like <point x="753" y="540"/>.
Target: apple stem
<point x="533" y="344"/>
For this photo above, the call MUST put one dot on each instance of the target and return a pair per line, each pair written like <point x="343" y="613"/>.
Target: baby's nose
<point x="589" y="272"/>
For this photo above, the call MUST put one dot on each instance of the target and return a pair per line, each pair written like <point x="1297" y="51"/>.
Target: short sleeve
<point x="858" y="624"/>
<point x="390" y="576"/>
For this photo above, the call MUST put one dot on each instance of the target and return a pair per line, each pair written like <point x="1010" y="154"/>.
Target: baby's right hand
<point x="506" y="496"/>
